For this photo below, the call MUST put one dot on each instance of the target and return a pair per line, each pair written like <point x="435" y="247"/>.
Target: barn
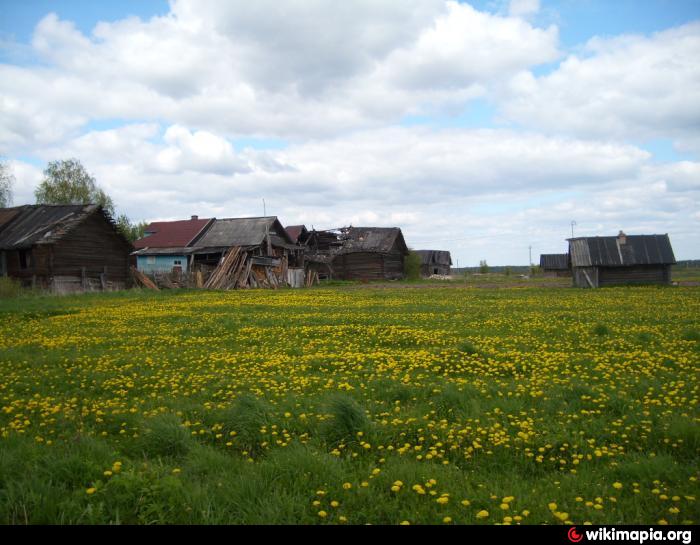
<point x="64" y="248"/>
<point x="555" y="264"/>
<point x="369" y="253"/>
<point x="434" y="262"/>
<point x="621" y="260"/>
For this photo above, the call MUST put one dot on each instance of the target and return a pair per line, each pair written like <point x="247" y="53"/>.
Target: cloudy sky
<point x="482" y="128"/>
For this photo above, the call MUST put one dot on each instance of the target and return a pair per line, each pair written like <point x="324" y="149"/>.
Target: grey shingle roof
<point x="228" y="232"/>
<point x="435" y="257"/>
<point x="371" y="239"/>
<point x="40" y="223"/>
<point x="555" y="262"/>
<point x="610" y="252"/>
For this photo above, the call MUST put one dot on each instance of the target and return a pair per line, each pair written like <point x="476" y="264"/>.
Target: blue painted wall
<point x="163" y="263"/>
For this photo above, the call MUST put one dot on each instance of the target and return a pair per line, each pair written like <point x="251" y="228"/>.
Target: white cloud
<point x="293" y="70"/>
<point x="334" y="80"/>
<point x="629" y="87"/>
<point x="485" y="194"/>
<point x="523" y="8"/>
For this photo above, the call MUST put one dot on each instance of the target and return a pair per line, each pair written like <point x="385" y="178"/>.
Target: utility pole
<point x="264" y="209"/>
<point x="530" y="248"/>
<point x="572" y="228"/>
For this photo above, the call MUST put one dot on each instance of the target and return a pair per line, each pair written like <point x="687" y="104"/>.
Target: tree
<point x="7" y="179"/>
<point x="411" y="265"/>
<point x="67" y="182"/>
<point x="483" y="266"/>
<point x="132" y="231"/>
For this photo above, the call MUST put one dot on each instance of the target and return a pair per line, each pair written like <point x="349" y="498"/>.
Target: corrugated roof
<point x="611" y="252"/>
<point x="242" y="232"/>
<point x="555" y="262"/>
<point x="371" y="239"/>
<point x="435" y="257"/>
<point x="167" y="234"/>
<point x="40" y="223"/>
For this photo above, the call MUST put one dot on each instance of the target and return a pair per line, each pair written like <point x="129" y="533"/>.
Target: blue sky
<point x="487" y="129"/>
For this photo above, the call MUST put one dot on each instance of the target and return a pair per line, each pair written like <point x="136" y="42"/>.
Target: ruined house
<point x="63" y="248"/>
<point x="436" y="262"/>
<point x="357" y="253"/>
<point x="621" y="260"/>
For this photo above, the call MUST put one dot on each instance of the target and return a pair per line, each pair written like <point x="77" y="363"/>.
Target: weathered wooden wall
<point x="92" y="256"/>
<point x="620" y="276"/>
<point x="94" y="246"/>
<point x="368" y="266"/>
<point x="641" y="274"/>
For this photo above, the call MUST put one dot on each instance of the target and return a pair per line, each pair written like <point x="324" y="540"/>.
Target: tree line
<point x="66" y="181"/>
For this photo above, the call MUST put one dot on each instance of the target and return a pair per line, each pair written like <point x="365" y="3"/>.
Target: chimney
<point x="197" y="217"/>
<point x="622" y="237"/>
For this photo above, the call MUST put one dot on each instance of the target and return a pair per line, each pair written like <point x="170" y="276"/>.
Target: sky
<point x="485" y="128"/>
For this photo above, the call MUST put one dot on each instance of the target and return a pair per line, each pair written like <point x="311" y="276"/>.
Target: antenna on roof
<point x="573" y="222"/>
<point x="264" y="209"/>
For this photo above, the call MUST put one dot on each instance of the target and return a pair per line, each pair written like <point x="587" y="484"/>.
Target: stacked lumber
<point x="311" y="278"/>
<point x="143" y="279"/>
<point x="232" y="271"/>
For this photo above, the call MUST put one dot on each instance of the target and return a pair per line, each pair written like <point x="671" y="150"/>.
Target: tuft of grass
<point x="466" y="347"/>
<point x="601" y="330"/>
<point x="10" y="287"/>
<point x="691" y="335"/>
<point x="246" y="416"/>
<point x="347" y="418"/>
<point x="165" y="436"/>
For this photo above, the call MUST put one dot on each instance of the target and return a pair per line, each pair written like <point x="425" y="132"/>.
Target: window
<point x="177" y="262"/>
<point x="25" y="259"/>
<point x="151" y="260"/>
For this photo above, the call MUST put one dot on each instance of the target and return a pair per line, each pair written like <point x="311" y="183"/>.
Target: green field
<point x="351" y="405"/>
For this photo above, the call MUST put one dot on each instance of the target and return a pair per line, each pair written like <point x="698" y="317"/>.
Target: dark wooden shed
<point x="434" y="262"/>
<point x="555" y="264"/>
<point x="63" y="248"/>
<point x="621" y="260"/>
<point x="370" y="253"/>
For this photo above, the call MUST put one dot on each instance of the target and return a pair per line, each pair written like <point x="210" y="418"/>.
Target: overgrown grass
<point x="310" y="406"/>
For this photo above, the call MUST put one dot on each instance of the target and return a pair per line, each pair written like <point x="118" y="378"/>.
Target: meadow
<point x="352" y="405"/>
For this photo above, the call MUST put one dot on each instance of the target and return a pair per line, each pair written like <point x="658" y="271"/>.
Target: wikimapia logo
<point x="637" y="536"/>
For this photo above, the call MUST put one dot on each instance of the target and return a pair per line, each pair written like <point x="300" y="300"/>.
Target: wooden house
<point x="369" y="253"/>
<point x="63" y="248"/>
<point x="621" y="260"/>
<point x="166" y="245"/>
<point x="269" y="256"/>
<point x="436" y="262"/>
<point x="555" y="264"/>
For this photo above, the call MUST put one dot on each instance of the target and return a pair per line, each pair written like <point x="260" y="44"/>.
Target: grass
<point x="350" y="405"/>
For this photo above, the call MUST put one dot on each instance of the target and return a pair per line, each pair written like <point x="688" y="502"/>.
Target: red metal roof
<point x="167" y="234"/>
<point x="294" y="231"/>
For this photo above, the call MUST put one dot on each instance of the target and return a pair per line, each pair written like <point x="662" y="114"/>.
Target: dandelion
<point x="617" y="486"/>
<point x="482" y="514"/>
<point x="91" y="491"/>
<point x="322" y="514"/>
